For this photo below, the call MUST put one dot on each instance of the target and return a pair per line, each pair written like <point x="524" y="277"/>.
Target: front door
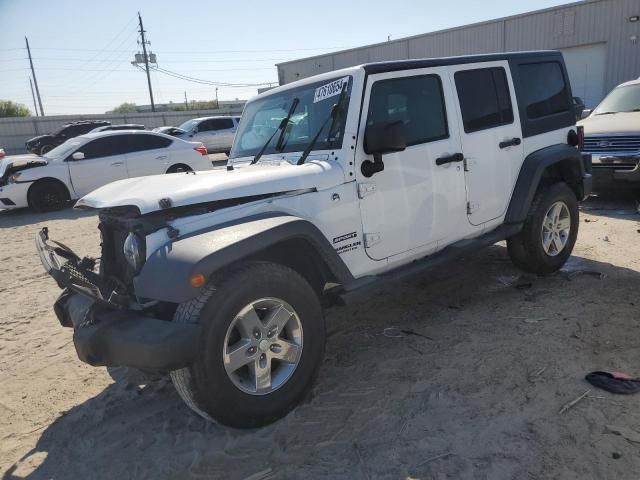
<point x="415" y="202"/>
<point x="104" y="162"/>
<point x="491" y="137"/>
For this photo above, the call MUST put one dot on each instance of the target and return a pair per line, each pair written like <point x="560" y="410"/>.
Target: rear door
<point x="491" y="136"/>
<point x="416" y="201"/>
<point x="224" y="130"/>
<point x="148" y="154"/>
<point x="104" y="162"/>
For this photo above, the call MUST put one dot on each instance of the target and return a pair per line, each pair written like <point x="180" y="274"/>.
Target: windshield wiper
<point x="333" y="114"/>
<point x="283" y="124"/>
<point x="607" y="113"/>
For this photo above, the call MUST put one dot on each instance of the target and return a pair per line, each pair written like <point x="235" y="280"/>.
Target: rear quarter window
<point x="544" y="89"/>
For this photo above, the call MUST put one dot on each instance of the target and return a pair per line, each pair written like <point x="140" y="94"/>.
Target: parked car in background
<point x="44" y="143"/>
<point x="173" y="131"/>
<point x="216" y="133"/>
<point x="612" y="137"/>
<point x="84" y="163"/>
<point x="122" y="126"/>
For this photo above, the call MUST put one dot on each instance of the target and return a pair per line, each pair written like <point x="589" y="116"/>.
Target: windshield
<point x="188" y="125"/>
<point x="621" y="99"/>
<point x="62" y="150"/>
<point x="262" y="117"/>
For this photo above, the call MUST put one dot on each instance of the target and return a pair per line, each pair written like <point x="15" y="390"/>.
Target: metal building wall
<point x="572" y="25"/>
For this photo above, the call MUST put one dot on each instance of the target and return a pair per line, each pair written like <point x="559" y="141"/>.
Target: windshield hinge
<point x="365" y="189"/>
<point x="471" y="207"/>
<point x="465" y="164"/>
<point x="371" y="239"/>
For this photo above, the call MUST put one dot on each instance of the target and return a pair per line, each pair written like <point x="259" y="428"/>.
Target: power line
<point x="208" y="82"/>
<point x="200" y="52"/>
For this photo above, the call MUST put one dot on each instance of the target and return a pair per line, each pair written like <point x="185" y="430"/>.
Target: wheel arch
<point x="173" y="168"/>
<point x="553" y="163"/>
<point x="42" y="180"/>
<point x="278" y="238"/>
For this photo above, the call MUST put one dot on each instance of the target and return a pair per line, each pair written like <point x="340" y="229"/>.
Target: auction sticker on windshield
<point x="329" y="90"/>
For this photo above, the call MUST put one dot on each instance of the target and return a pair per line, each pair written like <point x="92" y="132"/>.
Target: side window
<point x="221" y="123"/>
<point x="205" y="126"/>
<point x="103" y="147"/>
<point x="485" y="101"/>
<point x="139" y="143"/>
<point x="544" y="88"/>
<point x="418" y="102"/>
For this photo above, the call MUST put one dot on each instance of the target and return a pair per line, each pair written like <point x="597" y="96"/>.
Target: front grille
<point x="612" y="144"/>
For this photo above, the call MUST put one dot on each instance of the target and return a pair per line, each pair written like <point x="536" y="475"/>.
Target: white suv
<point x="335" y="182"/>
<point x="216" y="133"/>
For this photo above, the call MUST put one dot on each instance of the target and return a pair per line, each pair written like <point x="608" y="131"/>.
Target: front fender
<point x="167" y="272"/>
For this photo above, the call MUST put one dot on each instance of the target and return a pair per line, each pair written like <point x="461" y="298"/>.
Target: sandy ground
<point x="474" y="394"/>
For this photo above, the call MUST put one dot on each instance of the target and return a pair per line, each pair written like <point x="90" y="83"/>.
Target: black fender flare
<point x="532" y="171"/>
<point x="167" y="272"/>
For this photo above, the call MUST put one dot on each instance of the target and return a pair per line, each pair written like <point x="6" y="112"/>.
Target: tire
<point x="48" y="196"/>
<point x="216" y="395"/>
<point x="536" y="249"/>
<point x="179" y="168"/>
<point x="45" y="149"/>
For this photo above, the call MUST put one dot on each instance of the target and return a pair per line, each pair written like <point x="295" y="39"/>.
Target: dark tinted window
<point x="215" y="124"/>
<point x="416" y="101"/>
<point x="104" y="147"/>
<point x="544" y="89"/>
<point x="222" y="123"/>
<point x="484" y="98"/>
<point x="138" y="143"/>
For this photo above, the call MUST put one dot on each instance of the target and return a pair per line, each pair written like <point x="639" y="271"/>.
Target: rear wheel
<point x="262" y="346"/>
<point x="180" y="167"/>
<point x="48" y="195"/>
<point x="549" y="233"/>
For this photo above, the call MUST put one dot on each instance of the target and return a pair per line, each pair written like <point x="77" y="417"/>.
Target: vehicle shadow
<point x="386" y="403"/>
<point x="24" y="216"/>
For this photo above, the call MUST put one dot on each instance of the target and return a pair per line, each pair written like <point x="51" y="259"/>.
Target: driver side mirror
<point x="78" y="156"/>
<point x="585" y="113"/>
<point x="381" y="139"/>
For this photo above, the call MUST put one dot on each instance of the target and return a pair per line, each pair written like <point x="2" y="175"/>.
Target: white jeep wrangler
<point x="334" y="182"/>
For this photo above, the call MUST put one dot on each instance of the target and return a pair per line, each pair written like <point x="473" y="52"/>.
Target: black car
<point x="43" y="143"/>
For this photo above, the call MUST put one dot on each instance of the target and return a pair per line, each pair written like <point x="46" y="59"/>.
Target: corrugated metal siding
<point x="589" y="22"/>
<point x="14" y="132"/>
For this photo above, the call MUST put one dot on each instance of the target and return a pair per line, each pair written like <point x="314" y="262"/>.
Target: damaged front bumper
<point x="106" y="333"/>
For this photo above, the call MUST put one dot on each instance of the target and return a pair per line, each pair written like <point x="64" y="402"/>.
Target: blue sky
<point x="82" y="49"/>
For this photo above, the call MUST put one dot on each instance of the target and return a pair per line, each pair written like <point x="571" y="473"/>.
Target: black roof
<point x="395" y="65"/>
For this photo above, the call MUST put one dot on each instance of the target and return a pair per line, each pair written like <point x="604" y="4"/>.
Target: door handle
<point x="117" y="164"/>
<point x="510" y="143"/>
<point x="161" y="157"/>
<point x="456" y="157"/>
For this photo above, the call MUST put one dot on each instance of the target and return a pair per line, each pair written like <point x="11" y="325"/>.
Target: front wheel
<point x="262" y="346"/>
<point x="549" y="232"/>
<point x="48" y="195"/>
<point x="45" y="149"/>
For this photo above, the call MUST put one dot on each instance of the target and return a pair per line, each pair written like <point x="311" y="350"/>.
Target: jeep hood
<point x="623" y="122"/>
<point x="15" y="163"/>
<point x="183" y="189"/>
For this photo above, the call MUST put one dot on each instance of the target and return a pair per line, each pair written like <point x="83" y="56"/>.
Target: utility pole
<point x="33" y="95"/>
<point x="35" y="80"/>
<point x="186" y="104"/>
<point x="217" y="103"/>
<point x="146" y="63"/>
